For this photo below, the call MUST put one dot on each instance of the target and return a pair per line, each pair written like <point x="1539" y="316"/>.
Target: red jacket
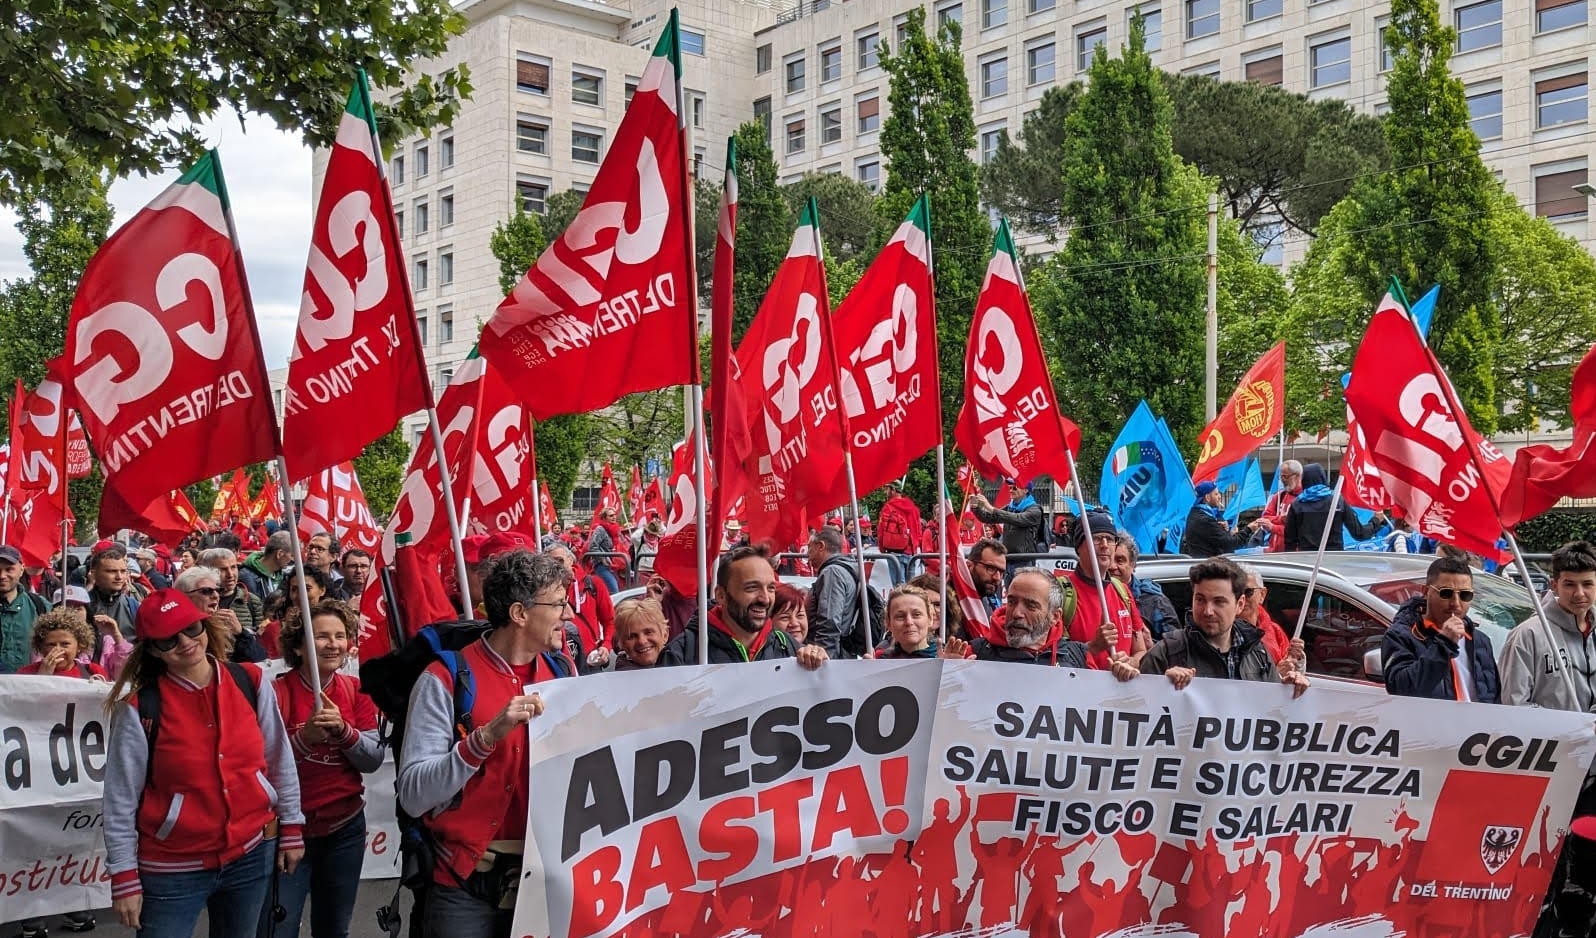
<point x="1274" y="515"/>
<point x="462" y="833"/>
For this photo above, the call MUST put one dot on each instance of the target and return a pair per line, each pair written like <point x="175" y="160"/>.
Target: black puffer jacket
<point x="1189" y="648"/>
<point x="1418" y="660"/>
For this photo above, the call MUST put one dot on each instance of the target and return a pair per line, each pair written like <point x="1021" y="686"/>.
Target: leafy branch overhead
<point x="120" y="86"/>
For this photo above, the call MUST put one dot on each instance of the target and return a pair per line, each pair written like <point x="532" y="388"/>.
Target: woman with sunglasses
<point x="203" y="587"/>
<point x="194" y="800"/>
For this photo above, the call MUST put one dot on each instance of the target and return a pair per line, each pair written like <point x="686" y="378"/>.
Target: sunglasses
<point x="167" y="644"/>
<point x="1447" y="592"/>
<point x="206" y="591"/>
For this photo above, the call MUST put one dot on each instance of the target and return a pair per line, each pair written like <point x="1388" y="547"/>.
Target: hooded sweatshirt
<point x="1308" y="515"/>
<point x="1533" y="668"/>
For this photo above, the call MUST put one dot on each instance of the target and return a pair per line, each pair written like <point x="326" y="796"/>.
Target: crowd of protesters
<point x="276" y="822"/>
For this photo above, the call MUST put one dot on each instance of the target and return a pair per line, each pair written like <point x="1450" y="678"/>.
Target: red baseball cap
<point x="165" y="613"/>
<point x="472" y="546"/>
<point x="505" y="541"/>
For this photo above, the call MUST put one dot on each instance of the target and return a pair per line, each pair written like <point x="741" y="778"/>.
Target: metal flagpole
<point x="695" y="401"/>
<point x="1330" y="521"/>
<point x="942" y="538"/>
<point x="537" y="492"/>
<point x="1080" y="496"/>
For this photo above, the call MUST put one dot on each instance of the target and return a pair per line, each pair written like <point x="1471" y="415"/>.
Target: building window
<point x="533" y="195"/>
<point x="587" y="88"/>
<point x="532" y="136"/>
<point x="762" y="114"/>
<point x="762" y="59"/>
<point x="869" y="173"/>
<point x="398" y="174"/>
<point x="831" y="125"/>
<point x="445" y="324"/>
<point x="586" y="144"/>
<point x="1485" y="114"/>
<point x="418" y="279"/>
<point x="831" y="63"/>
<point x="692" y="41"/>
<point x="793" y="70"/>
<point x="698" y="162"/>
<point x="1039" y="6"/>
<point x="445" y="277"/>
<point x="446" y="152"/>
<point x="994" y="13"/>
<point x="445" y="209"/>
<point x="868" y="46"/>
<point x="1202" y="18"/>
<point x="1262" y="9"/>
<point x="419" y="213"/>
<point x="421" y="325"/>
<point x="695" y="109"/>
<point x="994" y="77"/>
<point x="531" y="74"/>
<point x="1387" y="60"/>
<point x="1039" y="63"/>
<point x="445" y="375"/>
<point x="1479" y="25"/>
<point x="399" y="223"/>
<point x="1086" y="40"/>
<point x="1555" y="197"/>
<point x="1330" y="62"/>
<point x="795" y="135"/>
<point x="1152" y="25"/>
<point x="628" y="90"/>
<point x="423" y="160"/>
<point x="949" y="13"/>
<point x="1561" y="100"/>
<point x="1265" y="71"/>
<point x="989" y="143"/>
<point x="1553" y="15"/>
<point x="869" y="114"/>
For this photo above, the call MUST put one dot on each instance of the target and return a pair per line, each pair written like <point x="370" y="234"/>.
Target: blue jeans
<point x="601" y="569"/>
<point x="231" y="895"/>
<point x="455" y="913"/>
<point x="330" y="875"/>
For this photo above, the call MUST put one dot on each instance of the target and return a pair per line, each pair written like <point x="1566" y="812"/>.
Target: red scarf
<point x="718" y="623"/>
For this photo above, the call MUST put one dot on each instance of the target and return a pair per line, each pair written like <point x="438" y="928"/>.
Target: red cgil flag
<point x="654" y="498"/>
<point x="163" y="519"/>
<point x="1254" y="413"/>
<point x="635" y="496"/>
<point x="887" y="359"/>
<point x="1542" y="474"/>
<point x="608" y="308"/>
<point x="335" y="504"/>
<point x="1010" y="424"/>
<point x="418" y="517"/>
<point x="501" y="474"/>
<point x="1005" y="494"/>
<point x="677" y="558"/>
<point x="357" y="365"/>
<point x="1447" y="478"/>
<point x="788" y="379"/>
<point x="961" y="580"/>
<point x="1364" y="487"/>
<point x="551" y="515"/>
<point x="37" y="480"/>
<point x="164" y="363"/>
<point x="609" y="498"/>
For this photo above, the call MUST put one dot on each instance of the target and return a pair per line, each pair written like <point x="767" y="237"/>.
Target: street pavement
<point x="374" y="893"/>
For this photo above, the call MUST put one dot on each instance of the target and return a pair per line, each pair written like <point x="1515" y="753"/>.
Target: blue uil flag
<point x="1145" y="484"/>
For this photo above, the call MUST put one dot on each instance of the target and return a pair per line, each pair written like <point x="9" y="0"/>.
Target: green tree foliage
<point x="1275" y="154"/>
<point x="926" y="141"/>
<point x="764" y="223"/>
<point x="1121" y="304"/>
<point x="1427" y="221"/>
<point x="381" y="468"/>
<point x="562" y="442"/>
<point x="847" y="220"/>
<point x="119" y="85"/>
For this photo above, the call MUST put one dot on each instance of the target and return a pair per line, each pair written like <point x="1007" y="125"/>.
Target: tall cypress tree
<point x="1121" y="305"/>
<point x="926" y="142"/>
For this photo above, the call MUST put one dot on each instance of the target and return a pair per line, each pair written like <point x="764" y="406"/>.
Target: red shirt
<point x="77" y="670"/>
<point x="331" y="791"/>
<point x="1089" y="618"/>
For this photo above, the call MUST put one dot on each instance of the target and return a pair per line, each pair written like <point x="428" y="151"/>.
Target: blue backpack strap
<point x="465" y="686"/>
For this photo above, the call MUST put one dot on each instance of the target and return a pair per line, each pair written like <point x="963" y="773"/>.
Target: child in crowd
<point x="61" y="640"/>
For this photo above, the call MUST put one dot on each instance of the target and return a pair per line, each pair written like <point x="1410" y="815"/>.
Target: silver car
<point x="1353" y="603"/>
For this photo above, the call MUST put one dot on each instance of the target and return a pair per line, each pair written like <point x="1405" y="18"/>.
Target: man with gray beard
<point x="1029" y="629"/>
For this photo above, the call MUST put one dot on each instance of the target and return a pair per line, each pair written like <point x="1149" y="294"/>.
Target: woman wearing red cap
<point x="197" y="781"/>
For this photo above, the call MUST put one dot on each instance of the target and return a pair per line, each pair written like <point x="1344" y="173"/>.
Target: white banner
<point x="53" y="734"/>
<point x="906" y="799"/>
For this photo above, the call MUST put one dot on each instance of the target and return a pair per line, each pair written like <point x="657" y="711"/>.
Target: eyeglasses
<point x="562" y="605"/>
<point x="167" y="644"/>
<point x="991" y="566"/>
<point x="1447" y="592"/>
<point x="1251" y="589"/>
<point x="204" y="591"/>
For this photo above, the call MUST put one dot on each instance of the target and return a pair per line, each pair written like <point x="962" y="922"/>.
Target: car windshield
<point x="1498" y="604"/>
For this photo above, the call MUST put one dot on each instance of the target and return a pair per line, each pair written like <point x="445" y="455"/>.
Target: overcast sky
<point x="268" y="179"/>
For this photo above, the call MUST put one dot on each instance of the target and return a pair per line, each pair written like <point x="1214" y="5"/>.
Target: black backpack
<point x="853" y="642"/>
<point x="388" y="681"/>
<point x="149" y="707"/>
